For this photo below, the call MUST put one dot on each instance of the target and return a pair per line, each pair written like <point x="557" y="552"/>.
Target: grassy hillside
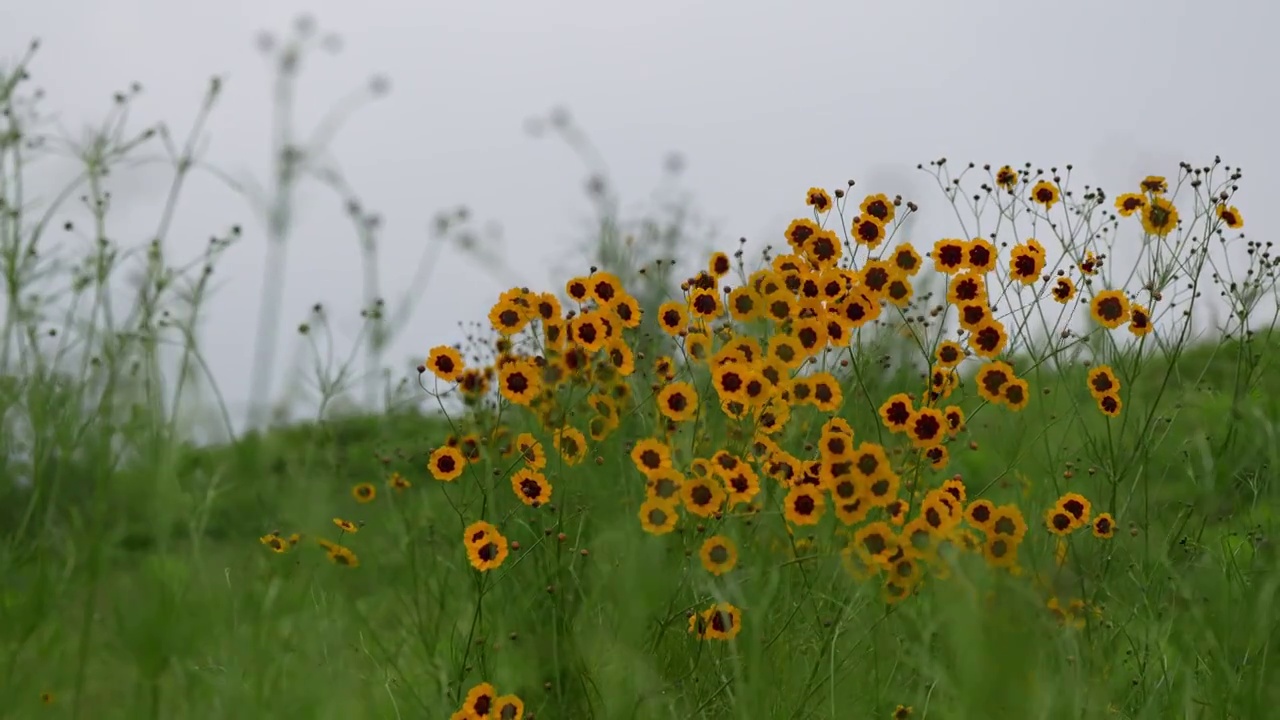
<point x="205" y="621"/>
<point x="856" y="474"/>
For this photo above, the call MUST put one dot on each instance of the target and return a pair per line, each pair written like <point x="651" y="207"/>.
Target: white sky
<point x="763" y="99"/>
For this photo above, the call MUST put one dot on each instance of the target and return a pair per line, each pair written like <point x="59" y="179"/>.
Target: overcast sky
<point x="763" y="99"/>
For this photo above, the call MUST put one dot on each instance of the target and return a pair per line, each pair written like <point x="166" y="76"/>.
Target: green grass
<point x="214" y="625"/>
<point x="137" y="581"/>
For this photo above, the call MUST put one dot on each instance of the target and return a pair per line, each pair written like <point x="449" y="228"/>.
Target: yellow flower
<point x="519" y="381"/>
<point x="705" y="304"/>
<point x="1006" y="177"/>
<point x="1231" y="216"/>
<point x="906" y="259"/>
<point x="672" y="317"/>
<point x="658" y="516"/>
<point x="703" y="496"/>
<point x="1063" y="290"/>
<point x="364" y="492"/>
<point x="1045" y="193"/>
<point x="605" y="288"/>
<point x="1155" y="185"/>
<point x="1026" y="262"/>
<point x="1139" y="320"/>
<point x="1130" y="203"/>
<point x="1110" y="308"/>
<point x="722" y="621"/>
<point x="868" y="231"/>
<point x="275" y="542"/>
<point x="799" y="232"/>
<point x="803" y="505"/>
<point x="651" y="456"/>
<point x="719" y="265"/>
<point x="571" y="444"/>
<point x="479" y="702"/>
<point x="531" y="487"/>
<point x="445" y="363"/>
<point x="1104" y="526"/>
<point x="1077" y="507"/>
<point x="678" y="401"/>
<point x="818" y="199"/>
<point x="719" y="555"/>
<point x="988" y="339"/>
<point x="446" y="463"/>
<point x="879" y="207"/>
<point x="486" y="547"/>
<point x="1102" y="381"/>
<point x="823" y="249"/>
<point x="949" y="255"/>
<point x="744" y="304"/>
<point x="340" y="555"/>
<point x="507" y="707"/>
<point x="398" y="482"/>
<point x="1110" y="404"/>
<point x="1160" y="217"/>
<point x="530" y="449"/>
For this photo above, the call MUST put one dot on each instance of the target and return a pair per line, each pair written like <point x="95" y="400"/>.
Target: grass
<point x="334" y="569"/>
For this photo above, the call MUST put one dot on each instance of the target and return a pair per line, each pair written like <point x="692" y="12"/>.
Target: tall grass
<point x="646" y="500"/>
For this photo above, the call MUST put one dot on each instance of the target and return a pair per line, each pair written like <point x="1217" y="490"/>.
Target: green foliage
<point x="150" y="576"/>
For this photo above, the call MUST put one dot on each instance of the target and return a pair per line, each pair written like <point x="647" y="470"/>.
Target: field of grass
<point x="642" y="499"/>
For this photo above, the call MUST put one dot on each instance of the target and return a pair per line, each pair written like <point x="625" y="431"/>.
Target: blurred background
<point x="722" y="113"/>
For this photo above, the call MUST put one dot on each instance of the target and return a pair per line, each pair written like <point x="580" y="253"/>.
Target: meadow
<point x="848" y="472"/>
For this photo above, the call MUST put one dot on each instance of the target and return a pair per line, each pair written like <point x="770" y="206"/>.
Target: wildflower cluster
<point x="813" y="402"/>
<point x="745" y="398"/>
<point x="1017" y="467"/>
<point x="484" y="703"/>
